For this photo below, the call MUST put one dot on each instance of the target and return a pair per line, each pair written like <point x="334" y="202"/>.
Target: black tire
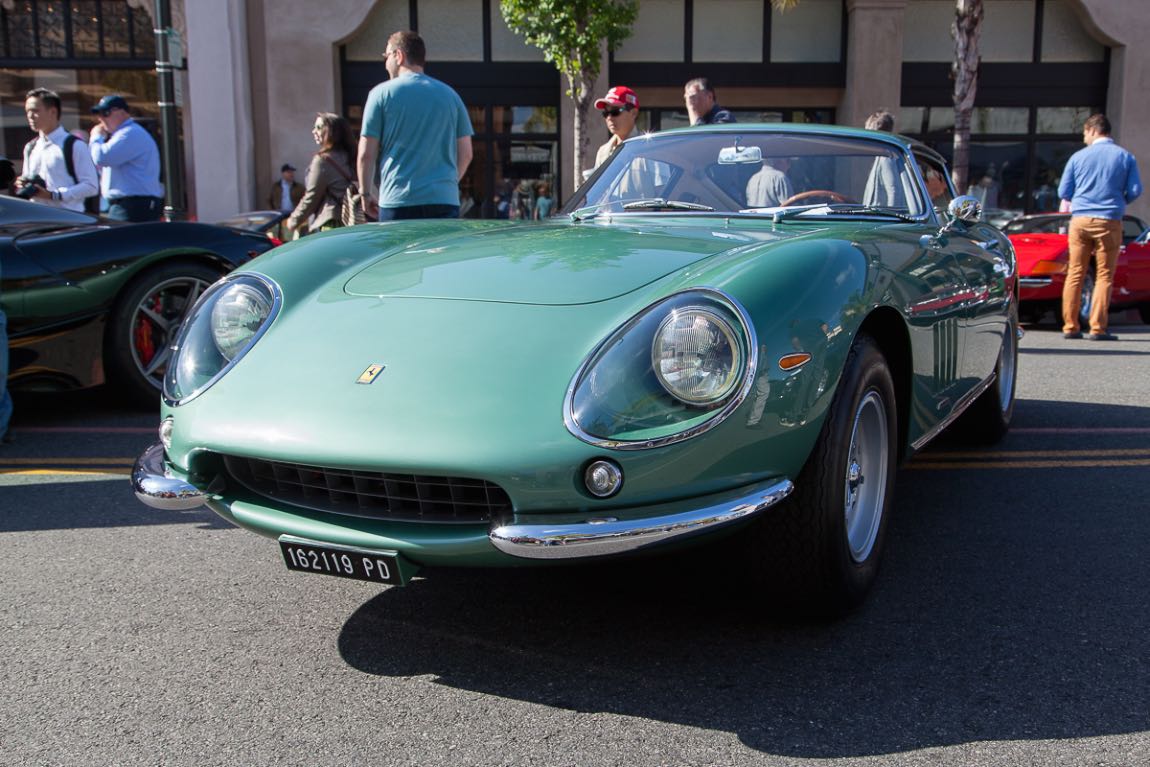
<point x="818" y="553"/>
<point x="143" y="324"/>
<point x="987" y="419"/>
<point x="1144" y="313"/>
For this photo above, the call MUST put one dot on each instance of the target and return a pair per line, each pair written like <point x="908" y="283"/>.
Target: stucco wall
<point x="219" y="108"/>
<point x="254" y="91"/>
<point x="1125" y="27"/>
<point x="874" y="73"/>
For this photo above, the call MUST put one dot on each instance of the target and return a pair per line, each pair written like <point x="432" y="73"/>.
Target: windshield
<point x="755" y="172"/>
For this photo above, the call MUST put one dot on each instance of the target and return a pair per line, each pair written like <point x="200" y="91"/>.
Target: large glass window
<point x="1049" y="160"/>
<point x="38" y="29"/>
<point x="1010" y="167"/>
<point x="79" y="90"/>
<point x="514" y="173"/>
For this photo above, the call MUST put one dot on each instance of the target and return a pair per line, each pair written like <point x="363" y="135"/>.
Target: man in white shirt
<point x="770" y="187"/>
<point x="56" y="156"/>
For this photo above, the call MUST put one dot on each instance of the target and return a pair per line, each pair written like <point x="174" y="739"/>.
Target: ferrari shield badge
<point x="369" y="375"/>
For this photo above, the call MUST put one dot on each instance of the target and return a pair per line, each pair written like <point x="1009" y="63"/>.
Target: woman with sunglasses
<point x="331" y="171"/>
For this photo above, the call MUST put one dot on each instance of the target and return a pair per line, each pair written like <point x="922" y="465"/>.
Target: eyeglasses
<point x="616" y="111"/>
<point x="104" y="112"/>
<point x="388" y="54"/>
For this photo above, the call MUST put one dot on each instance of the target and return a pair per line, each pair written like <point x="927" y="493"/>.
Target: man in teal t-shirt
<point x="421" y="132"/>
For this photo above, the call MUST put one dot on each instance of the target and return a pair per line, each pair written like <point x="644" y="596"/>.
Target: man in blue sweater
<point x="1099" y="182"/>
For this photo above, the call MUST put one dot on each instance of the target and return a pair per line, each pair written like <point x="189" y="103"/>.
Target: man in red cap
<point x="620" y="108"/>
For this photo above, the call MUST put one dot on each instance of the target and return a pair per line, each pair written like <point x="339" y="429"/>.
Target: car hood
<point x="550" y="264"/>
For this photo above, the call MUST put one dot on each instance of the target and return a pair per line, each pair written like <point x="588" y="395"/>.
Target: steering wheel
<point x="833" y="196"/>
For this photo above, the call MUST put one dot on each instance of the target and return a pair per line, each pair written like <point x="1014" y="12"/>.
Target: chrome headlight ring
<point x="243" y="305"/>
<point x="732" y="396"/>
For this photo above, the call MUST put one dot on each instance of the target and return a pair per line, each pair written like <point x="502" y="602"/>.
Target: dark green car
<point x="90" y="300"/>
<point x="735" y="330"/>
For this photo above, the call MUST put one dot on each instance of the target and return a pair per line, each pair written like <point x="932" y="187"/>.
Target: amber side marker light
<point x="792" y="361"/>
<point x="1048" y="267"/>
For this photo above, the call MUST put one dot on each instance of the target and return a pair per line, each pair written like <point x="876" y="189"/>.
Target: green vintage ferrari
<point x="738" y="330"/>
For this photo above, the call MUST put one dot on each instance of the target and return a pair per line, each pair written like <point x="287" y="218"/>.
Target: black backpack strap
<point x="69" y="162"/>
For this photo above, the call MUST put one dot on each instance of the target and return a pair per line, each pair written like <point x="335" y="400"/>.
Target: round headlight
<point x="696" y="356"/>
<point x="237" y="316"/>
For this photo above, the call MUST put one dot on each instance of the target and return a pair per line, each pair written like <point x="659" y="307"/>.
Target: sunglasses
<point x="616" y="111"/>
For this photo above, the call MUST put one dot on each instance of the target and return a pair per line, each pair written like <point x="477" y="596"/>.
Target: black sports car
<point x="90" y="300"/>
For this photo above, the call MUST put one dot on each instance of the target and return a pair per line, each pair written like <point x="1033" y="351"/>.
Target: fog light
<point x="603" y="479"/>
<point x="166" y="433"/>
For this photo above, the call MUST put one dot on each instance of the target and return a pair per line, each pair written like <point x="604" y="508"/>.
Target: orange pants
<point x="1099" y="239"/>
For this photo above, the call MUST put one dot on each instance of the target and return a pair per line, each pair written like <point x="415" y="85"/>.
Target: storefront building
<point x="259" y="70"/>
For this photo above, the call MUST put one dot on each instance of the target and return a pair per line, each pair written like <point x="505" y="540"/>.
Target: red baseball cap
<point x="619" y="96"/>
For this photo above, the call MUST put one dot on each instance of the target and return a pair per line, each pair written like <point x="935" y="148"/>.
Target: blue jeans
<point x="418" y="211"/>
<point x="136" y="209"/>
<point x="5" y="397"/>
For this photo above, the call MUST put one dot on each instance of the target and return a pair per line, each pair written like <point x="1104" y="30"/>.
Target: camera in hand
<point x="31" y="184"/>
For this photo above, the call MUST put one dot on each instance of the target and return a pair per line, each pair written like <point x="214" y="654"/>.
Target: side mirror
<point x="966" y="209"/>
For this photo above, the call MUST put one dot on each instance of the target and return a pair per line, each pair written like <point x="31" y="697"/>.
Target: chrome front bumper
<point x="156" y="487"/>
<point x="597" y="538"/>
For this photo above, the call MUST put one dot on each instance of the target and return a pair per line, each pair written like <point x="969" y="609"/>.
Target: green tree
<point x="571" y="34"/>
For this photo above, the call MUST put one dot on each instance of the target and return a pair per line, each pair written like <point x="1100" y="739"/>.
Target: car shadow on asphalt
<point x="52" y="503"/>
<point x="1009" y="609"/>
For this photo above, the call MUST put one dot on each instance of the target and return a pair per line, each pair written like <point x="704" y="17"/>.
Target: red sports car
<point x="1040" y="244"/>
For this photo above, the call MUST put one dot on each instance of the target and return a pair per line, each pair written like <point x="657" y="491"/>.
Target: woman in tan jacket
<point x="331" y="170"/>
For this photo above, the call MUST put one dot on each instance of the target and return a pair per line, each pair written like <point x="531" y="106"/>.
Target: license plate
<point x="375" y="565"/>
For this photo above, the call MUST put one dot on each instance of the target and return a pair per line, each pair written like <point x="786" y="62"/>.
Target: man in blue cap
<point x="129" y="163"/>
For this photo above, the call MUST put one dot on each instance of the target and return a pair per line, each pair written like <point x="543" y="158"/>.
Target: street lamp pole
<point x="169" y="119"/>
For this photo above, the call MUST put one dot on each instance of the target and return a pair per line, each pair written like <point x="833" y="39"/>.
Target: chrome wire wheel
<point x="155" y="320"/>
<point x="866" y="475"/>
<point x="1007" y="360"/>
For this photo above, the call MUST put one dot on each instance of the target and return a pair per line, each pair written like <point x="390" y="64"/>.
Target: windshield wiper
<point x="658" y="203"/>
<point x="872" y="210"/>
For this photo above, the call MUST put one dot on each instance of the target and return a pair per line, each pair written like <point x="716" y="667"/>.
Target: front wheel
<point x="987" y="419"/>
<point x="819" y="553"/>
<point x="144" y="323"/>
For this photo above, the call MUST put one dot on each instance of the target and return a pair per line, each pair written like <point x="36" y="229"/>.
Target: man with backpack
<point x="58" y="168"/>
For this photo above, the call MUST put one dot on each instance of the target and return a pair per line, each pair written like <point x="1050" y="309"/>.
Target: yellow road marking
<point x="78" y="461"/>
<point x="63" y="472"/>
<point x="1064" y="464"/>
<point x="985" y="454"/>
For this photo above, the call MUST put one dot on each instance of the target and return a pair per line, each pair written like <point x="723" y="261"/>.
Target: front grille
<point x="400" y="497"/>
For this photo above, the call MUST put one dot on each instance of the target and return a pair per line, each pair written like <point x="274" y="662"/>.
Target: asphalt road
<point x="1010" y="625"/>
